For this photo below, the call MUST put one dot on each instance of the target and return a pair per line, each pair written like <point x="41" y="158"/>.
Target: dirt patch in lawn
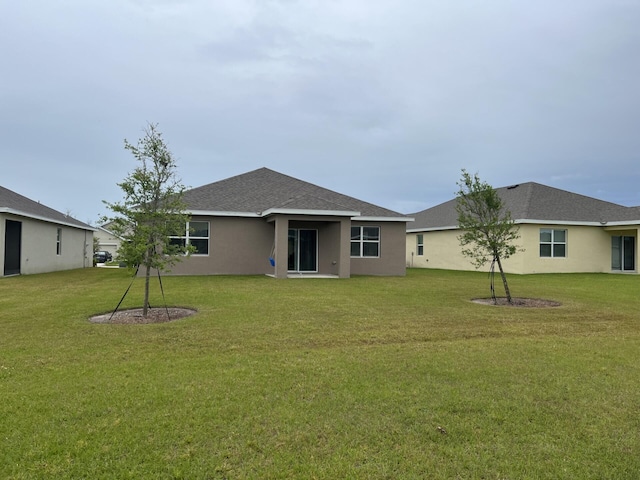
<point x="134" y="315"/>
<point x="517" y="302"/>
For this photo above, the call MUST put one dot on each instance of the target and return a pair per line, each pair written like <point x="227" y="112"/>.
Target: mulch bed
<point x="518" y="302"/>
<point x="134" y="316"/>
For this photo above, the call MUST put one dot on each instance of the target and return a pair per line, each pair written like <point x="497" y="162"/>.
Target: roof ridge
<point x="579" y="195"/>
<point x="527" y="198"/>
<point x="263" y="188"/>
<point x="538" y="202"/>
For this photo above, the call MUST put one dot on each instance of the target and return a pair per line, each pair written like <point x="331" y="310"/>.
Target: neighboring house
<point x="560" y="232"/>
<point x="107" y="241"/>
<point x="264" y="222"/>
<point x="37" y="239"/>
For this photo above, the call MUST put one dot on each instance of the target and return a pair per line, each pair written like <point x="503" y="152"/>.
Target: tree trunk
<point x="504" y="280"/>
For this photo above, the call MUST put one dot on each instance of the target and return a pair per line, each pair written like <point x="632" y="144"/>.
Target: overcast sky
<point x="382" y="100"/>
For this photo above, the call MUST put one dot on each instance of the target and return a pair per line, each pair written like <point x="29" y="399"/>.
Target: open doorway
<point x="12" y="246"/>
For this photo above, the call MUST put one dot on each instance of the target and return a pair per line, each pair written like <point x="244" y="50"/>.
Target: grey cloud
<point x="395" y="96"/>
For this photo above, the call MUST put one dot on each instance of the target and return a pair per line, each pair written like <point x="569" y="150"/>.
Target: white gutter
<point x="561" y="222"/>
<point x="383" y="219"/>
<point x="353" y="215"/>
<point x="540" y="222"/>
<point x="430" y="229"/>
<point x="300" y="211"/>
<point x="621" y="223"/>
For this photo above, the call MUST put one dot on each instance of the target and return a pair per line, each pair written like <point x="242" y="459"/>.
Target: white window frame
<point x="59" y="241"/>
<point x="554" y="242"/>
<point x="420" y="244"/>
<point x="188" y="237"/>
<point x="361" y="241"/>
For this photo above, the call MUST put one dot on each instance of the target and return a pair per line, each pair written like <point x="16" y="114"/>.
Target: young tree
<point x="96" y="247"/>
<point x="152" y="209"/>
<point x="488" y="229"/>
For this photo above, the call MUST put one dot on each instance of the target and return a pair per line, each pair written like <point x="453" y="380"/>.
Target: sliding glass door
<point x="623" y="253"/>
<point x="303" y="250"/>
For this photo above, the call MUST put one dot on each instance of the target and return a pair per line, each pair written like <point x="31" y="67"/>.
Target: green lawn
<point x="321" y="378"/>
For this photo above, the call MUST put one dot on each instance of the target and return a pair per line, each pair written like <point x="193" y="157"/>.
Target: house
<point x="560" y="232"/>
<point x="107" y="240"/>
<point x="38" y="239"/>
<point x="265" y="222"/>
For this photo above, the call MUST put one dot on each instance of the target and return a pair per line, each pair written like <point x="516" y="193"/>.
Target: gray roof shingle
<point x="263" y="189"/>
<point x="14" y="202"/>
<point x="534" y="201"/>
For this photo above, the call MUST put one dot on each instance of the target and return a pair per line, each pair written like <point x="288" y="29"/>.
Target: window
<point x="196" y="235"/>
<point x="419" y="244"/>
<point x="59" y="242"/>
<point x="365" y="241"/>
<point x="553" y="243"/>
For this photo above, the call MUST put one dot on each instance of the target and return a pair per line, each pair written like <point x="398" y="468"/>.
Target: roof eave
<point x="45" y="219"/>
<point x="431" y="229"/>
<point x="301" y="211"/>
<point x="583" y="223"/>
<point x="527" y="221"/>
<point x="353" y="215"/>
<point x="382" y="219"/>
<point x="622" y="223"/>
<point x="274" y="211"/>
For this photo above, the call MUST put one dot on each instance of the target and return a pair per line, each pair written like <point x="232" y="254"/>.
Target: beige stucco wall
<point x="441" y="250"/>
<point x="108" y="242"/>
<point x="242" y="246"/>
<point x="330" y="249"/>
<point x="237" y="246"/>
<point x="588" y="250"/>
<point x="392" y="251"/>
<point x="38" y="246"/>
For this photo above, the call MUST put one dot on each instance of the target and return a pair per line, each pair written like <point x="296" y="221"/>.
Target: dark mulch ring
<point x="518" y="302"/>
<point x="134" y="315"/>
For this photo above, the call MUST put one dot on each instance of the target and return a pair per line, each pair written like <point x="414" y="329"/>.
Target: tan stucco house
<point x="560" y="232"/>
<point x="265" y="222"/>
<point x="107" y="240"/>
<point x="37" y="239"/>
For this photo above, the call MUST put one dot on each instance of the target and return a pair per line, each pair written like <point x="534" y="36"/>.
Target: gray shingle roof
<point x="16" y="203"/>
<point x="533" y="201"/>
<point x="263" y="189"/>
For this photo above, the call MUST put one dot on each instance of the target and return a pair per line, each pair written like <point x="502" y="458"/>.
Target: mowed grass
<point x="317" y="378"/>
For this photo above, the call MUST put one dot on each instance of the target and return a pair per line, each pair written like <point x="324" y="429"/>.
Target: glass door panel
<point x="616" y="253"/>
<point x="303" y="250"/>
<point x="623" y="253"/>
<point x="629" y="249"/>
<point x="307" y="246"/>
<point x="292" y="256"/>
